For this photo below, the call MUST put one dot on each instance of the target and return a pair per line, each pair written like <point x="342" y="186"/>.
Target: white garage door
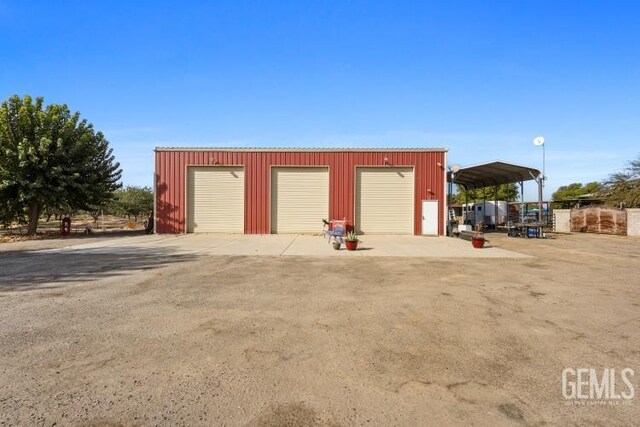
<point x="215" y="200"/>
<point x="299" y="199"/>
<point x="384" y="200"/>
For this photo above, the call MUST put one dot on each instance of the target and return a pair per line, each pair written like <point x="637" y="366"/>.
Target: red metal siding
<point x="171" y="167"/>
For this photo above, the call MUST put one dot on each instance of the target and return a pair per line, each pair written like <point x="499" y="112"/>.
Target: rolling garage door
<point x="384" y="200"/>
<point x="299" y="199"/>
<point x="215" y="200"/>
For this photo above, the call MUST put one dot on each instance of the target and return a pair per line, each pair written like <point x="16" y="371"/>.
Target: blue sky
<point x="480" y="78"/>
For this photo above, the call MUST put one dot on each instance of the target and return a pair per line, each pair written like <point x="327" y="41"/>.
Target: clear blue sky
<point x="481" y="78"/>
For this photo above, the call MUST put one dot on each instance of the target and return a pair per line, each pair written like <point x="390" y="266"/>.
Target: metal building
<point x="265" y="190"/>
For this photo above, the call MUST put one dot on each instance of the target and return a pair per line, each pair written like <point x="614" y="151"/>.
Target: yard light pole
<point x="539" y="141"/>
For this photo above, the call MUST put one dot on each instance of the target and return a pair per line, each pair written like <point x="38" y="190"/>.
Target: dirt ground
<point x="158" y="338"/>
<point x="50" y="230"/>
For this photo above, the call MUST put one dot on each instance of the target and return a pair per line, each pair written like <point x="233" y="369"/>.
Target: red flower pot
<point x="351" y="245"/>
<point x="477" y="243"/>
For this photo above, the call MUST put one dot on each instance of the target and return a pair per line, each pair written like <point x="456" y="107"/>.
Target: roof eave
<point x="305" y="149"/>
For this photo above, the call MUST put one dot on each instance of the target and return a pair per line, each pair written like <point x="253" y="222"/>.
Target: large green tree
<point x="575" y="190"/>
<point x="623" y="188"/>
<point x="50" y="157"/>
<point x="505" y="192"/>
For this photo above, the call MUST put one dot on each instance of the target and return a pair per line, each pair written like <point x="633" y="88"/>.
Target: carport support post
<point x="495" y="206"/>
<point x="465" y="210"/>
<point x="506" y="220"/>
<point x="484" y="205"/>
<point x="540" y="197"/>
<point x="521" y="201"/>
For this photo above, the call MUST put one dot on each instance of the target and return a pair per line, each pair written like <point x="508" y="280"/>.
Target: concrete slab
<point x="215" y="244"/>
<point x="399" y="246"/>
<point x="300" y="245"/>
<point x="431" y="247"/>
<point x="308" y="245"/>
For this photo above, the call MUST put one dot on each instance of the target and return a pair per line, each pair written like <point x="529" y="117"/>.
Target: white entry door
<point x="429" y="217"/>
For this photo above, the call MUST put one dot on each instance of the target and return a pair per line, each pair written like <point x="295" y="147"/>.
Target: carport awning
<point x="492" y="173"/>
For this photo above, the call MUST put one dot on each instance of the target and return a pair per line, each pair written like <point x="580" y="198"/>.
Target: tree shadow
<point x="74" y="238"/>
<point x="167" y="214"/>
<point x="49" y="269"/>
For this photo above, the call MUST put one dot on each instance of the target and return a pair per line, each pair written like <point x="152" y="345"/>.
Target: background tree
<point x="505" y="192"/>
<point x="51" y="158"/>
<point x="575" y="190"/>
<point x="623" y="188"/>
<point x="132" y="201"/>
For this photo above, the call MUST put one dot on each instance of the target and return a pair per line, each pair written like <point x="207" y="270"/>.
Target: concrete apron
<point x="304" y="245"/>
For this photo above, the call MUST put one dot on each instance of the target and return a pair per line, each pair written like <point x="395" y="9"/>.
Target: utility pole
<point x="537" y="141"/>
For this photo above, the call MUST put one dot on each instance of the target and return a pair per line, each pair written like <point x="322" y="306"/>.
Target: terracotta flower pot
<point x="477" y="242"/>
<point x="351" y="245"/>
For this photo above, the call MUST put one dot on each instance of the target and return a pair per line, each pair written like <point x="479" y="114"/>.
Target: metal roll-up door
<point x="299" y="199"/>
<point x="384" y="200"/>
<point x="215" y="200"/>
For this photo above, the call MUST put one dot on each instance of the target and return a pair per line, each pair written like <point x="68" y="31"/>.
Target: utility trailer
<point x="488" y="213"/>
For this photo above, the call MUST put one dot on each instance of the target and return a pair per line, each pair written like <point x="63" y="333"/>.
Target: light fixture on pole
<point x="450" y="213"/>
<point x="539" y="140"/>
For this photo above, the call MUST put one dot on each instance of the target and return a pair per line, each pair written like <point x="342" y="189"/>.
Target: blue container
<point x="532" y="232"/>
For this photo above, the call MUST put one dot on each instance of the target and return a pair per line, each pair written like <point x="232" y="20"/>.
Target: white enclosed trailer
<point x="485" y="213"/>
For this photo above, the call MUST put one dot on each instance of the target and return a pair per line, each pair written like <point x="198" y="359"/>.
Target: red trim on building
<point x="171" y="166"/>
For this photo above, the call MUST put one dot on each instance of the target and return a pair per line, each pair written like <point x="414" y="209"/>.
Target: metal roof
<point x="492" y="173"/>
<point x="389" y="149"/>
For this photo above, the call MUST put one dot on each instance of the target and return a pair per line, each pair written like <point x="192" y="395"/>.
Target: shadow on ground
<point x="48" y="269"/>
<point x="47" y="240"/>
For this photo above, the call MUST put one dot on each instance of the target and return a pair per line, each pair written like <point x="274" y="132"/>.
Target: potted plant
<point x="477" y="240"/>
<point x="351" y="241"/>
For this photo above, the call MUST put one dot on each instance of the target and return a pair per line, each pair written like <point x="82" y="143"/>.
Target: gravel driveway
<point x="156" y="335"/>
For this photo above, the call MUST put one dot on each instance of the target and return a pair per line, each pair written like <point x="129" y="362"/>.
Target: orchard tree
<point x="132" y="201"/>
<point x="505" y="192"/>
<point x="51" y="158"/>
<point x="575" y="190"/>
